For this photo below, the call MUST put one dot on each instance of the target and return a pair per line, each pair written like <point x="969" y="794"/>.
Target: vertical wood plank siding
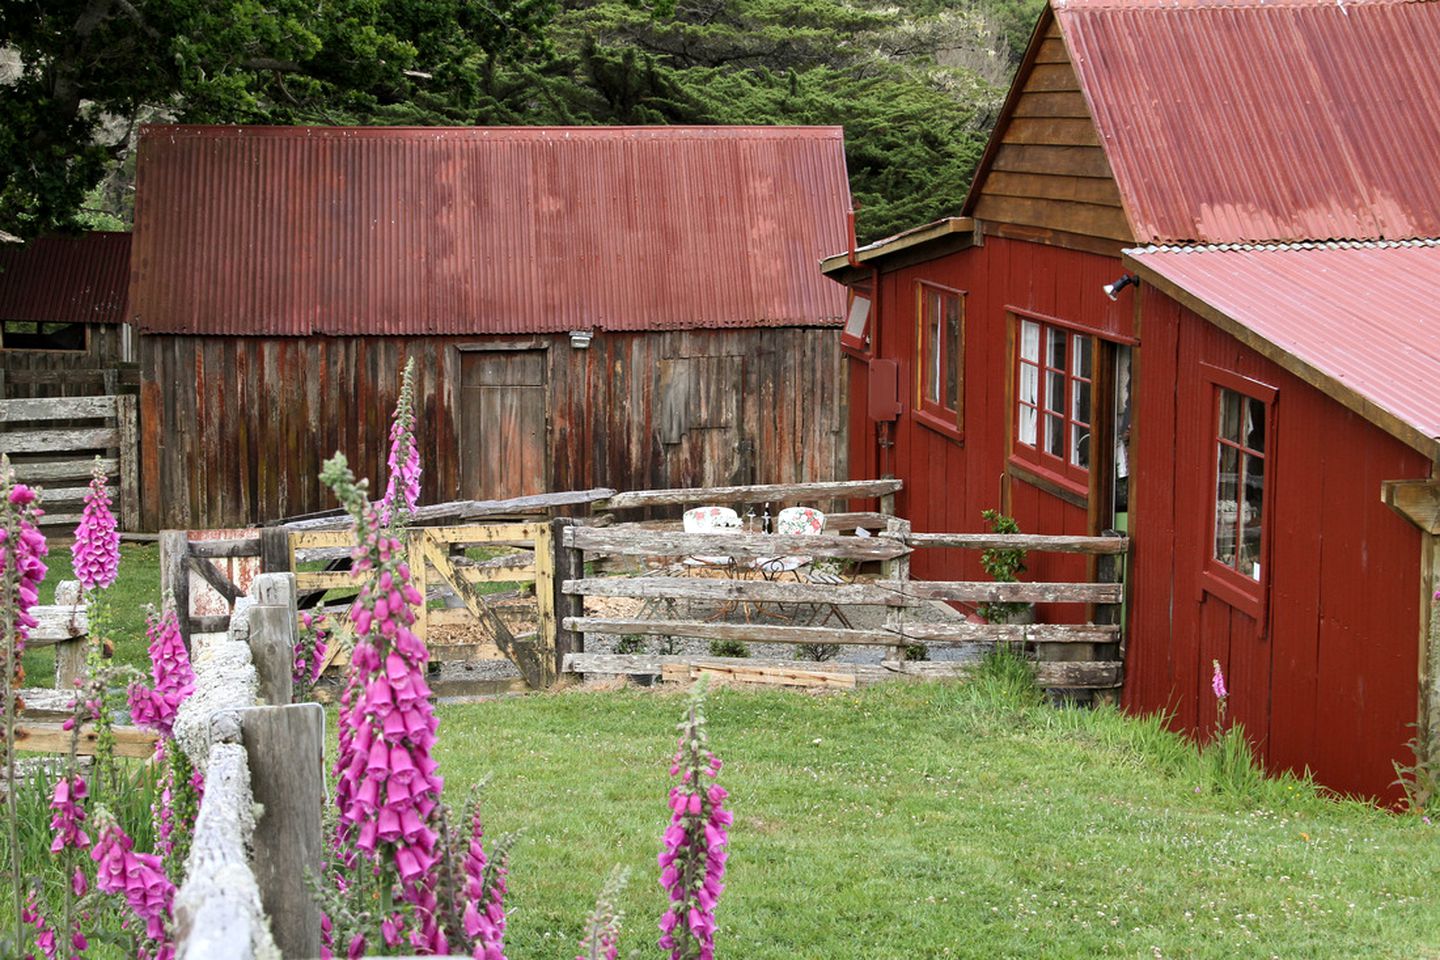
<point x="235" y="428"/>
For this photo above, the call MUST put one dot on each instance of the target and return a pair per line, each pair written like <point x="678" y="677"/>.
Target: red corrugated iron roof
<point x="71" y="279"/>
<point x="1358" y="319"/>
<point x="1233" y="121"/>
<point x="333" y="230"/>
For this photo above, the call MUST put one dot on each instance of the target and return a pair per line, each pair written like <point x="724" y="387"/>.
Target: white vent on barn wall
<point x="580" y="339"/>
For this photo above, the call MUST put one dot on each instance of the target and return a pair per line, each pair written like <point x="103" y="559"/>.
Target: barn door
<point x="503" y="424"/>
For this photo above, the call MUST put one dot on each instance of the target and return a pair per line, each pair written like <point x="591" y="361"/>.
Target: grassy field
<point x="916" y="821"/>
<point x="942" y="821"/>
<point x="137" y="585"/>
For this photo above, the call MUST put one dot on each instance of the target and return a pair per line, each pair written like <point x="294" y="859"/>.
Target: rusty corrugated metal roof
<point x="1361" y="319"/>
<point x="334" y="230"/>
<point x="66" y="279"/>
<point x="1230" y="121"/>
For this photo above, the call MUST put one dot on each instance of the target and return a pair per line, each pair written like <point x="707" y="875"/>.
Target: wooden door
<point x="503" y="451"/>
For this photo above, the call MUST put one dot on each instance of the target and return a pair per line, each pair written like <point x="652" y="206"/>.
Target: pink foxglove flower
<point x="602" y="931"/>
<point x="67" y="802"/>
<point x="1217" y="682"/>
<point x="95" y="554"/>
<point x="137" y="877"/>
<point x="484" y="894"/>
<point x="387" y="782"/>
<point x="402" y="493"/>
<point x="23" y="548"/>
<point x="310" y="651"/>
<point x="692" y="864"/>
<point x="170" y="669"/>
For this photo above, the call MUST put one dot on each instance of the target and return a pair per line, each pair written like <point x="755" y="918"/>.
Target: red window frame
<point x="1223" y="579"/>
<point x="931" y="309"/>
<point x="1035" y="455"/>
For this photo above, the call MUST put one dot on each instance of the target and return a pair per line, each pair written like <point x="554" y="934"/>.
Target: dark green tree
<point x="89" y="69"/>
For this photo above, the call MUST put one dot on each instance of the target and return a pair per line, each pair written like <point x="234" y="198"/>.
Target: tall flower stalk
<point x="22" y="567"/>
<point x="95" y="554"/>
<point x="602" y="930"/>
<point x="387" y="782"/>
<point x="155" y="706"/>
<point x="692" y="863"/>
<point x="402" y="493"/>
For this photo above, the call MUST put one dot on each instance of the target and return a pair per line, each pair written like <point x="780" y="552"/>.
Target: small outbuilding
<point x="624" y="307"/>
<point x="62" y="316"/>
<point x="1194" y="294"/>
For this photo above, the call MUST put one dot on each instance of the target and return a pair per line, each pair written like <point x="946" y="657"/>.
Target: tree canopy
<point x="916" y="88"/>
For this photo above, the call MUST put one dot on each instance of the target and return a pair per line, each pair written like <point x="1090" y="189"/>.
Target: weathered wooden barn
<point x="627" y="307"/>
<point x="1260" y="411"/>
<point x="62" y="316"/>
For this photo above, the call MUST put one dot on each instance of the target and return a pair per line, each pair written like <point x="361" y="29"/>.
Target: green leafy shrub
<point x="1004" y="566"/>
<point x="728" y="648"/>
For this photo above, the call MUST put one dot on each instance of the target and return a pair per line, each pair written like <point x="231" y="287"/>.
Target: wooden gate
<point x="457" y="590"/>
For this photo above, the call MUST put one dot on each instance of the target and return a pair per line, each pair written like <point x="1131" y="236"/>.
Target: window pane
<point x="859" y="314"/>
<point x="952" y="353"/>
<point x="1255" y="424"/>
<point x="1082" y="357"/>
<point x="1030" y="340"/>
<point x="1055" y="356"/>
<point x="1226" y="482"/>
<point x="932" y="347"/>
<point x="1027" y="425"/>
<point x="1054" y="435"/>
<point x="1054" y="391"/>
<point x="1230" y="415"/>
<point x="1080" y="445"/>
<point x="1080" y="401"/>
<point x="1029" y="384"/>
<point x="1251" y="517"/>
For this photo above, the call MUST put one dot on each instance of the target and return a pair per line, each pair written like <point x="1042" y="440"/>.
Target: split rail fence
<point x="53" y="443"/>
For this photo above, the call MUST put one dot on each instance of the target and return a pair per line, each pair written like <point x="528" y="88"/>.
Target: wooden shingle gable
<point x="1044" y="175"/>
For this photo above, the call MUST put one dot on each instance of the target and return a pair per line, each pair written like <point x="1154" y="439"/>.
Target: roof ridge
<point x="1294" y="245"/>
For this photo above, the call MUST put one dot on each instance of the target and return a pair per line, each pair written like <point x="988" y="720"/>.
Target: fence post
<point x="285" y="750"/>
<point x="546" y="641"/>
<point x="569" y="564"/>
<point x="127" y="424"/>
<point x="174" y="549"/>
<point x="274" y="629"/>
<point x="899" y="571"/>
<point x="1110" y="568"/>
<point x="69" y="654"/>
<point x="275" y="553"/>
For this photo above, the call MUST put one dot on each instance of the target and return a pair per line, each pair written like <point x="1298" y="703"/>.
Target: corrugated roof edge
<point x="696" y="132"/>
<point x="1332" y="386"/>
<point x="879" y="250"/>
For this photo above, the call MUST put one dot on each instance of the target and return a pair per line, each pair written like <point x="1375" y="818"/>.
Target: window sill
<point x="945" y="428"/>
<point x="1231" y="589"/>
<point x="854" y="350"/>
<point x="1057" y="486"/>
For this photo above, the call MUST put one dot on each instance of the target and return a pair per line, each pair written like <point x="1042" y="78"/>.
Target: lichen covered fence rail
<point x="259" y="827"/>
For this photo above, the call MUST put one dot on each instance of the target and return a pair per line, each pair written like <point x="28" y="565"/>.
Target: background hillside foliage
<point x="916" y="87"/>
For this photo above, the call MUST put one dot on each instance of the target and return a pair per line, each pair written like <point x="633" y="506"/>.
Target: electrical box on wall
<point x="884" y="389"/>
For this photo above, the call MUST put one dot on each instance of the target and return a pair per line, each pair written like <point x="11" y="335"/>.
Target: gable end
<point x="1044" y="174"/>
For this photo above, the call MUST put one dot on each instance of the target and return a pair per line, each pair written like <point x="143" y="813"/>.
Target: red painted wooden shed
<point x="1259" y="411"/>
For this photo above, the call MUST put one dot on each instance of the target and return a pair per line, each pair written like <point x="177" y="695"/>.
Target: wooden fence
<point x="53" y="443"/>
<point x="259" y="826"/>
<point x="1070" y="656"/>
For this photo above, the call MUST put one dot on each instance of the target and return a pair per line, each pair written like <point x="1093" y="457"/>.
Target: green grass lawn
<point x="915" y="821"/>
<point x="137" y="584"/>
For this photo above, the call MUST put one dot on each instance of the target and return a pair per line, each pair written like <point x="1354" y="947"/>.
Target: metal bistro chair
<point x="712" y="520"/>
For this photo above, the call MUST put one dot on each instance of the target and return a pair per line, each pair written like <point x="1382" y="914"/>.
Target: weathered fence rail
<point x="258" y="829"/>
<point x="1071" y="655"/>
<point x="53" y="443"/>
